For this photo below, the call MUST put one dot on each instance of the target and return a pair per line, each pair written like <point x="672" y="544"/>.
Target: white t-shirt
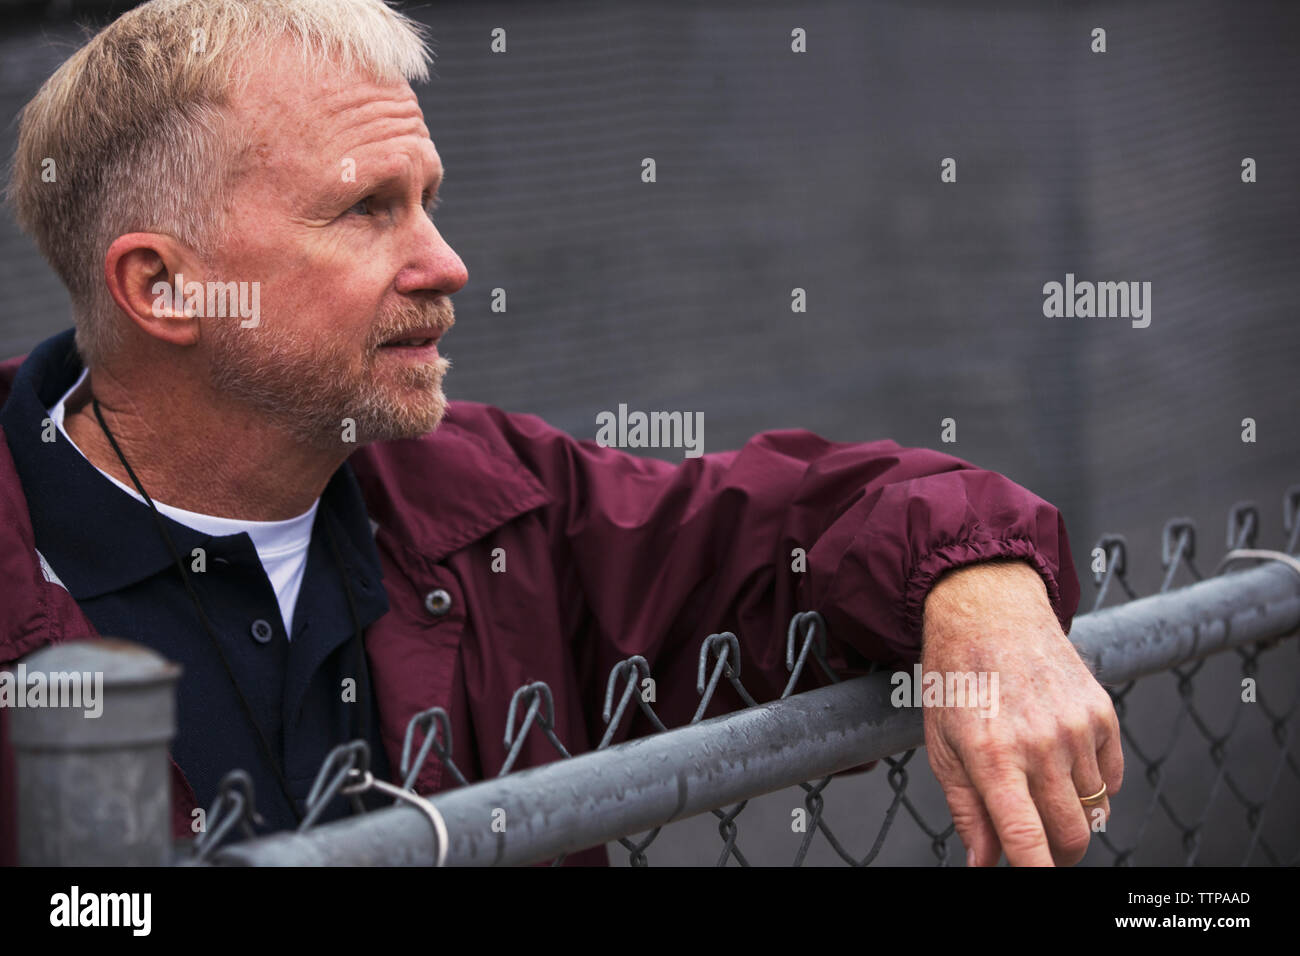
<point x="281" y="545"/>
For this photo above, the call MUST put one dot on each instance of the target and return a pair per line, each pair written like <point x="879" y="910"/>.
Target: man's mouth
<point x="413" y="339"/>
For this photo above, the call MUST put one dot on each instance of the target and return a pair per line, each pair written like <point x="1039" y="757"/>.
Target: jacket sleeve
<point x="663" y="554"/>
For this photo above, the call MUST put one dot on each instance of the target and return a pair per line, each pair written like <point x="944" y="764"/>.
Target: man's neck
<point x="225" y="465"/>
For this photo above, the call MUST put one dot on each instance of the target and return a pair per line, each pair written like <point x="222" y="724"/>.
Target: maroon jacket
<point x="608" y="555"/>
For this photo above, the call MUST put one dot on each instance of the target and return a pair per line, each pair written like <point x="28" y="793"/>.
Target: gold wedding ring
<point x="1096" y="799"/>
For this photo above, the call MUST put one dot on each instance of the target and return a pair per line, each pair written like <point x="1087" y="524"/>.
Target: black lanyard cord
<point x="267" y="753"/>
<point x="363" y="712"/>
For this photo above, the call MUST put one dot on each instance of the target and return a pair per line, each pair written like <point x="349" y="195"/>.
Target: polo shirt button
<point x="437" y="602"/>
<point x="262" y="632"/>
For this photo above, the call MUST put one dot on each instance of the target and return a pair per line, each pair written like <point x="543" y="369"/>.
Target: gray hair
<point x="131" y="133"/>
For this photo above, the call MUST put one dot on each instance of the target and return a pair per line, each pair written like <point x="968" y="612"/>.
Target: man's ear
<point x="142" y="271"/>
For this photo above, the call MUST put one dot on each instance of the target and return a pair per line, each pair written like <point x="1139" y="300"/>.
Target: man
<point x="259" y="491"/>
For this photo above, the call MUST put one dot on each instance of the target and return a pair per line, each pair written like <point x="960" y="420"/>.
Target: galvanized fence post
<point x="94" y="789"/>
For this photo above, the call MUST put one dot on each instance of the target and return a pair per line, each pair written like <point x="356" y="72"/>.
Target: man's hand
<point x="1014" y="780"/>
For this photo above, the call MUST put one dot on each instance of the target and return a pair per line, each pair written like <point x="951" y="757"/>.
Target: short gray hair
<point x="131" y="133"/>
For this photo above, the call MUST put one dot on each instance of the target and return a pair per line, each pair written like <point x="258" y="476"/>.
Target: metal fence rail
<point x="718" y="765"/>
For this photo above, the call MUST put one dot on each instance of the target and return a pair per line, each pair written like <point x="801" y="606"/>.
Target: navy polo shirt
<point x="106" y="548"/>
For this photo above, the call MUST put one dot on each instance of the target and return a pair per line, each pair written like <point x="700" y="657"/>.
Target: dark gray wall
<point x="821" y="170"/>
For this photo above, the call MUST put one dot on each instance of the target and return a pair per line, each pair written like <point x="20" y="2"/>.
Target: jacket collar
<point x="441" y="492"/>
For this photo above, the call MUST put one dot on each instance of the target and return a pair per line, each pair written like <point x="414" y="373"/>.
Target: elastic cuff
<point x="951" y="556"/>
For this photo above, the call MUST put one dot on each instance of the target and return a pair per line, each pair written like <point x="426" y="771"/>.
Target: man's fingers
<point x="1056" y="795"/>
<point x="1109" y="770"/>
<point x="1005" y="792"/>
<point x="973" y="825"/>
<point x="1110" y="756"/>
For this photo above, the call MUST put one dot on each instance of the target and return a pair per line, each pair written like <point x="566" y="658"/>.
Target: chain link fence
<point x="1204" y="681"/>
<point x="1147" y="752"/>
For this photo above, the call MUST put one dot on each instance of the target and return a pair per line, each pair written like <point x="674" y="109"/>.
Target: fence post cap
<point x="121" y="662"/>
<point x="94" y="695"/>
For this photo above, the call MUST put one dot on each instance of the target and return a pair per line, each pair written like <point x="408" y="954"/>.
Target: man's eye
<point x="363" y="207"/>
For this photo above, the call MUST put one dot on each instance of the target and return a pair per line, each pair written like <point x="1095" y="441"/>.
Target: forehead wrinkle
<point x="299" y="110"/>
<point x="304" y="124"/>
<point x="376" y="130"/>
<point x="379" y="145"/>
<point x="349" y="97"/>
<point x="361" y="122"/>
<point x="392" y="164"/>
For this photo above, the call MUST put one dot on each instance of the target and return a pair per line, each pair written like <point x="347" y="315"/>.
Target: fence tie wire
<point x="1260" y="554"/>
<point x="363" y="781"/>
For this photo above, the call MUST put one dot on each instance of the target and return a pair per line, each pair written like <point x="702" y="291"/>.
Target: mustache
<point x="411" y="316"/>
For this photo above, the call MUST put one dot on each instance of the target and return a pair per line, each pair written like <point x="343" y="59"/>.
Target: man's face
<point x="330" y="217"/>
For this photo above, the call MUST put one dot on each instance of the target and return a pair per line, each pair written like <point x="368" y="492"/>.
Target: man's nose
<point x="433" y="265"/>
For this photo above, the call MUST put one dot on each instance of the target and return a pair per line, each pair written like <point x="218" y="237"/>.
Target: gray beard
<point x="300" y="389"/>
